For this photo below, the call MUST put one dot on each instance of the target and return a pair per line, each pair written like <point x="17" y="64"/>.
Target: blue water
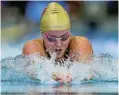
<point x="17" y="75"/>
<point x="91" y="87"/>
<point x="17" y="72"/>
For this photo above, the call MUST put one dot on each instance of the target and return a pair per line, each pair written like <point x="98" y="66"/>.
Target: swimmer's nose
<point x="58" y="43"/>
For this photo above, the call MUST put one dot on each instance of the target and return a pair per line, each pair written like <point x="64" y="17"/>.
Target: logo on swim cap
<point x="54" y="18"/>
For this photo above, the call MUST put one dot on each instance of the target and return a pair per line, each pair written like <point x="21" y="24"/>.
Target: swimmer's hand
<point x="62" y="78"/>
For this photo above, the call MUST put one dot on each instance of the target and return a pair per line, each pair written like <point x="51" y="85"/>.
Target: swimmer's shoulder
<point x="34" y="46"/>
<point x="33" y="42"/>
<point x="80" y="44"/>
<point x="79" y="39"/>
<point x="39" y="40"/>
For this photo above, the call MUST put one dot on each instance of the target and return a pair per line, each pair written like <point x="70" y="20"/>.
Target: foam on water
<point x="34" y="68"/>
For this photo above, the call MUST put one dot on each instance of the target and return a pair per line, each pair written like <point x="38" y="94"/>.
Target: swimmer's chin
<point x="59" y="56"/>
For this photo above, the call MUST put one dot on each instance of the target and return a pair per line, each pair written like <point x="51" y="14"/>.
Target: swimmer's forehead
<point x="56" y="31"/>
<point x="59" y="33"/>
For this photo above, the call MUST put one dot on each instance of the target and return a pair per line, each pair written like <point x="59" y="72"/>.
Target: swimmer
<point x="56" y="37"/>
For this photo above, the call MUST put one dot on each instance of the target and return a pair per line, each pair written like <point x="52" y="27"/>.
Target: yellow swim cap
<point x="54" y="18"/>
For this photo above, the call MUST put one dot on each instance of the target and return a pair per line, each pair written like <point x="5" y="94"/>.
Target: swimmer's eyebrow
<point x="56" y="36"/>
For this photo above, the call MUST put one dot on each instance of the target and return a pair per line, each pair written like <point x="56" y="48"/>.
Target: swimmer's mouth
<point x="58" y="51"/>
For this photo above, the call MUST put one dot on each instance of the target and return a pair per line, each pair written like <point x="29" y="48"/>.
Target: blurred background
<point x="96" y="20"/>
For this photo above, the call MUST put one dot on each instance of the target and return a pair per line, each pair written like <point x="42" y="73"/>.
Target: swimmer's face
<point x="57" y="41"/>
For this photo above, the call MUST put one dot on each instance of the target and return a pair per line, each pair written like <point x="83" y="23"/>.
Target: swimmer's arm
<point x="32" y="47"/>
<point x="81" y="48"/>
<point x="85" y="50"/>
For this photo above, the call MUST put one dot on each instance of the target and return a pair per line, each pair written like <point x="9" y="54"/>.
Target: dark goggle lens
<point x="64" y="38"/>
<point x="51" y="39"/>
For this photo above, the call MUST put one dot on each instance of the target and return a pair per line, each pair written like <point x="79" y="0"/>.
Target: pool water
<point x="32" y="74"/>
<point x="95" y="87"/>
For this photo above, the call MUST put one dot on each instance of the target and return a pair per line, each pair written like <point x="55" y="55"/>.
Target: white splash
<point x="40" y="69"/>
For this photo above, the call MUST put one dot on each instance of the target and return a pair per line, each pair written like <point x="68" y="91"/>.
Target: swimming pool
<point x="15" y="80"/>
<point x="97" y="87"/>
